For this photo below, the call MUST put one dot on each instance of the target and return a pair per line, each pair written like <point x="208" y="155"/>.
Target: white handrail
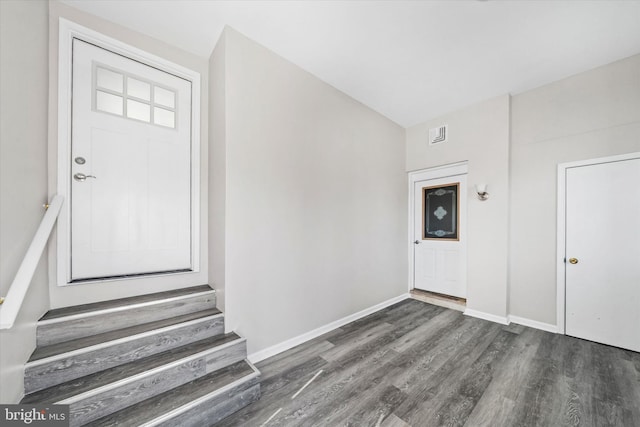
<point x="13" y="301"/>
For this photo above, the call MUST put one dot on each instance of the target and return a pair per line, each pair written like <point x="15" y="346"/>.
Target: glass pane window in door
<point x="164" y="117"/>
<point x="109" y="103"/>
<point x="164" y="97"/>
<point x="110" y="80"/>
<point x="138" y="89"/>
<point x="138" y="110"/>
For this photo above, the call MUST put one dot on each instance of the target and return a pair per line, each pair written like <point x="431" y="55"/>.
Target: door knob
<point x="573" y="260"/>
<point x="80" y="177"/>
<point x="417" y="242"/>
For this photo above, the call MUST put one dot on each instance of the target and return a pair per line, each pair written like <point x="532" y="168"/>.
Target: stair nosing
<point x="98" y="305"/>
<point x="194" y="403"/>
<point x="141" y="375"/>
<point x="128" y="338"/>
<point x="121" y="308"/>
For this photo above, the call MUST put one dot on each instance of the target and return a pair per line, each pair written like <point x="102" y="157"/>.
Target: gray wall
<point x="315" y="199"/>
<point x="217" y="171"/>
<point x="62" y="296"/>
<point x="23" y="173"/>
<point x="480" y="135"/>
<point x="593" y="114"/>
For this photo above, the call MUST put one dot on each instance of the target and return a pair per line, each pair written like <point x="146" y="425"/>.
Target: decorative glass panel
<point x="109" y="103"/>
<point x="164" y="97"/>
<point x="164" y="117"/>
<point x="138" y="89"/>
<point x="440" y="212"/>
<point x="108" y="79"/>
<point x="138" y="110"/>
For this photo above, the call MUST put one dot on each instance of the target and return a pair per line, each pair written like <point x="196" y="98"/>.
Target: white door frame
<point x="68" y="31"/>
<point x="421" y="175"/>
<point x="561" y="228"/>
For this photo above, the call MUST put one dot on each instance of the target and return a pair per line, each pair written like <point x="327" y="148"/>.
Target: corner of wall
<point x="217" y="170"/>
<point x="478" y="134"/>
<point x="509" y="192"/>
<point x="314" y="184"/>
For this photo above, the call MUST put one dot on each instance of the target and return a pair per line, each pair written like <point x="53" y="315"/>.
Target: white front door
<point x="440" y="258"/>
<point x="130" y="167"/>
<point x="602" y="258"/>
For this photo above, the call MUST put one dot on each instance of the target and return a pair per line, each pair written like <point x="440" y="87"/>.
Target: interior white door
<point x="131" y="167"/>
<point x="440" y="240"/>
<point x="602" y="259"/>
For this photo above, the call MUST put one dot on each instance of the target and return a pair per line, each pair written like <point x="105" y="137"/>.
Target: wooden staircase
<point x="159" y="359"/>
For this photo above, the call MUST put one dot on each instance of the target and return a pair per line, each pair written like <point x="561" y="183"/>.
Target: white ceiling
<point x="409" y="60"/>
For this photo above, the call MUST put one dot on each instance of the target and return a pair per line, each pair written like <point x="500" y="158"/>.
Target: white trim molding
<point x="561" y="228"/>
<point x="533" y="324"/>
<point x="292" y="342"/>
<point x="503" y="320"/>
<point x="67" y="32"/>
<point x="506" y="320"/>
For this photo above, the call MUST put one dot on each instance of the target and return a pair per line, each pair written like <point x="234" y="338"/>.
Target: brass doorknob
<point x="573" y="260"/>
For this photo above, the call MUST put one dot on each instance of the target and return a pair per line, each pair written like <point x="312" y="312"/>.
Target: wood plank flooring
<point x="416" y="364"/>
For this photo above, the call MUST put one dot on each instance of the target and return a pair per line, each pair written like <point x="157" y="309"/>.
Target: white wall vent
<point x="438" y="135"/>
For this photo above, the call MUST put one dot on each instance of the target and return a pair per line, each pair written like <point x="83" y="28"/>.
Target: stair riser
<point x="109" y="401"/>
<point x="215" y="409"/>
<point x="65" y="329"/>
<point x="45" y="373"/>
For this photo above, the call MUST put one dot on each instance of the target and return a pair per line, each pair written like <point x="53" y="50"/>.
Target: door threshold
<point x="447" y="301"/>
<point x="129" y="276"/>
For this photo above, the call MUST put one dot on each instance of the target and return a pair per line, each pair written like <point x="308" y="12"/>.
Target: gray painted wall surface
<point x="217" y="171"/>
<point x="23" y="174"/>
<point x="480" y="135"/>
<point x="590" y="115"/>
<point x="315" y="200"/>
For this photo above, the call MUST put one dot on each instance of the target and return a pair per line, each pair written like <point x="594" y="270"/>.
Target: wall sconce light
<point x="481" y="189"/>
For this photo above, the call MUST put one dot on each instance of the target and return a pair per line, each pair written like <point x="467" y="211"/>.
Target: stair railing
<point x="10" y="305"/>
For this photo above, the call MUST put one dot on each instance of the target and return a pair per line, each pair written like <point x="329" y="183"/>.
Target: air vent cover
<point x="438" y="135"/>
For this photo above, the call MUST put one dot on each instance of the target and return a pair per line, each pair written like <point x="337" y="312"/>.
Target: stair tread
<point x="153" y="407"/>
<point x="71" y="388"/>
<point x="76" y="344"/>
<point x="105" y="305"/>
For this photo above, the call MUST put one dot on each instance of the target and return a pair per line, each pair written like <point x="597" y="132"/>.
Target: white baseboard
<point x="534" y="324"/>
<point x="503" y="320"/>
<point x="292" y="342"/>
<point x="512" y="319"/>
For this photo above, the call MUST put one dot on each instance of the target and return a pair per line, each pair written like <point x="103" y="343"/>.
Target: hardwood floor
<point x="416" y="364"/>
